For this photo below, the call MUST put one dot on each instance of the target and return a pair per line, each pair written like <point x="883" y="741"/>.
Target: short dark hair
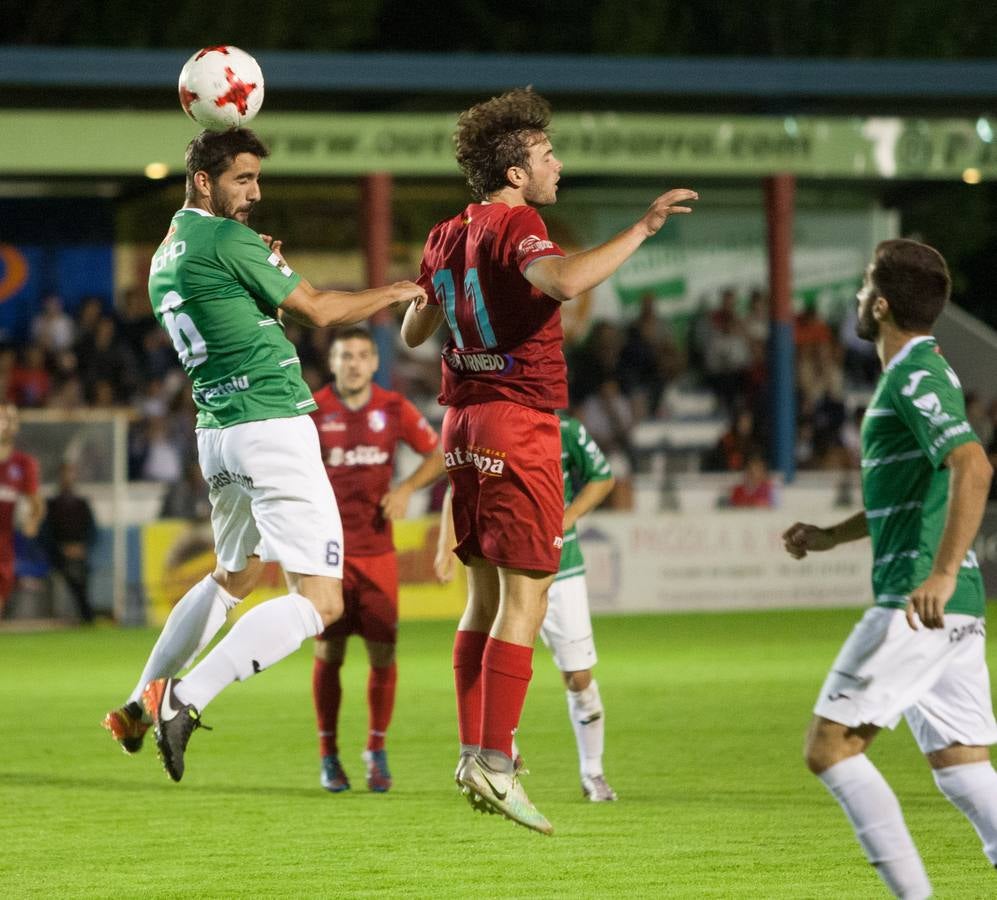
<point x="351" y="332"/>
<point x="214" y="151"/>
<point x="494" y="135"/>
<point x="914" y="280"/>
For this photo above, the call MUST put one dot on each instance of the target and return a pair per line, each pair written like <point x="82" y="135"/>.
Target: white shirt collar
<point x="906" y="349"/>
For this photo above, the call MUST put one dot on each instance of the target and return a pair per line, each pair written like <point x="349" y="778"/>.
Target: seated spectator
<point x="736" y="444"/>
<point x="30" y="382"/>
<point x="649" y="359"/>
<point x="108" y="360"/>
<point x="757" y="489"/>
<point x="595" y="361"/>
<point x="161" y="459"/>
<point x="188" y="497"/>
<point x="53" y="329"/>
<point x="726" y="352"/>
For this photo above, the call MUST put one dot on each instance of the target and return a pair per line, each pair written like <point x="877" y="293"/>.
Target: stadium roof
<point x="787" y="83"/>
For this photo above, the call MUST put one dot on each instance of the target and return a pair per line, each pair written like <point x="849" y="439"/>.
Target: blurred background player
<point x="216" y="287"/>
<point x="359" y="426"/>
<point x="18" y="479"/>
<point x="567" y="627"/>
<point x="498" y="281"/>
<point x="920" y="652"/>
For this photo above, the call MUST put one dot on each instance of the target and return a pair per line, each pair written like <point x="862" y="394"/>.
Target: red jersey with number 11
<point x="505" y="334"/>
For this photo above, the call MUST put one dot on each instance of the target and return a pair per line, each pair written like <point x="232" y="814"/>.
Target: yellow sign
<point x="177" y="554"/>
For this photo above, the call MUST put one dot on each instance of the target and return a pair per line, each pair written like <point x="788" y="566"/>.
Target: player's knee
<point x="329" y="652"/>
<point x="577" y="681"/>
<point x="239" y="584"/>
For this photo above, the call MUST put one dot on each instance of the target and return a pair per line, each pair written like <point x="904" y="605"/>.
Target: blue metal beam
<point x="409" y="73"/>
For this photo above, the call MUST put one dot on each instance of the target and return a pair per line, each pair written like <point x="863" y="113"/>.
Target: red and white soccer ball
<point x="221" y="87"/>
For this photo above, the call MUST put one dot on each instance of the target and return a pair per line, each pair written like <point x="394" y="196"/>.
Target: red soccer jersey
<point x="18" y="477"/>
<point x="505" y="335"/>
<point x="358" y="447"/>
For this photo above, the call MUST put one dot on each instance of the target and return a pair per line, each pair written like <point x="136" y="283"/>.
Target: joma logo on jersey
<point x="361" y="455"/>
<point x="170" y="253"/>
<point x="486" y="463"/>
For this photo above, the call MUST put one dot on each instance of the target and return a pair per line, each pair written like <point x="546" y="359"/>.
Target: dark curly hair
<point x="914" y="279"/>
<point x="497" y="134"/>
<point x="214" y="151"/>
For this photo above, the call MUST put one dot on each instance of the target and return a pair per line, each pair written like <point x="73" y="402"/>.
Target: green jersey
<point x="916" y="417"/>
<point x="581" y="462"/>
<point x="214" y="286"/>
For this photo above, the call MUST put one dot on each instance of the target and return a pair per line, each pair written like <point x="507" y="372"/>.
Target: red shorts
<point x="504" y="462"/>
<point x="370" y="599"/>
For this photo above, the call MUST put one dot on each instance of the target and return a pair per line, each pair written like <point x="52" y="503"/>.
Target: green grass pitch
<point x="704" y="713"/>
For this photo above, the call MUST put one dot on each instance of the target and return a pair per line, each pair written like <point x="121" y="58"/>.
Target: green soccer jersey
<point x="581" y="462"/>
<point x="916" y="417"/>
<point x="214" y="286"/>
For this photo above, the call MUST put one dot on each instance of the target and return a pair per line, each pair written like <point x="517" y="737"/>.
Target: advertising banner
<point x="721" y="560"/>
<point x="177" y="554"/>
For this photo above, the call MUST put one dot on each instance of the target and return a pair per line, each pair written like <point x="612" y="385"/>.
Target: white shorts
<point x="567" y="627"/>
<point x="270" y="496"/>
<point x="936" y="678"/>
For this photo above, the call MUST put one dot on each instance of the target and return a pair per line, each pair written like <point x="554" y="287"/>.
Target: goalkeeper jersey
<point x="916" y="417"/>
<point x="215" y="287"/>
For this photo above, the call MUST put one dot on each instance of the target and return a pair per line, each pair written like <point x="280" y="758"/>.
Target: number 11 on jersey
<point x="473" y="298"/>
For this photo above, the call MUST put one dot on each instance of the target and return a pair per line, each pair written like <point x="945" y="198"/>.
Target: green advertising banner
<point x="99" y="142"/>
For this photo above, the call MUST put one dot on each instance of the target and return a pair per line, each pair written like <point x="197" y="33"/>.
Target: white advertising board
<point x="723" y="560"/>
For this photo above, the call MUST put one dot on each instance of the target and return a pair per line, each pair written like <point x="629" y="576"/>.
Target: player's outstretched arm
<point x="969" y="484"/>
<point x="420" y="323"/>
<point x="563" y="278"/>
<point x="800" y="538"/>
<point x="320" y="309"/>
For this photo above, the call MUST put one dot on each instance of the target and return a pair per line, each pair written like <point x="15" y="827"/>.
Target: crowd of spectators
<point x="619" y="377"/>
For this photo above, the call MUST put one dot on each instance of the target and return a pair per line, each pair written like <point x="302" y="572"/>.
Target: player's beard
<point x="537" y="195"/>
<point x="867" y="325"/>
<point x="228" y="208"/>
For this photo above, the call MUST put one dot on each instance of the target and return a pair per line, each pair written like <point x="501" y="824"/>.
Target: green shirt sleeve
<point x="931" y="404"/>
<point x="585" y="461"/>
<point x="252" y="264"/>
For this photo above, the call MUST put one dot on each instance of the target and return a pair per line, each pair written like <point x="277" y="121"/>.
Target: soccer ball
<point x="221" y="87"/>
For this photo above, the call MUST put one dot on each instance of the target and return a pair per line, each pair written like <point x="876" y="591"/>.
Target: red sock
<point x="468" y="647"/>
<point x="327" y="693"/>
<point x="380" y="703"/>
<point x="506" y="673"/>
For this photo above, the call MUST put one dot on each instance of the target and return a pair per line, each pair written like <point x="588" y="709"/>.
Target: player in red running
<point x="18" y="478"/>
<point x="359" y="426"/>
<point x="498" y="281"/>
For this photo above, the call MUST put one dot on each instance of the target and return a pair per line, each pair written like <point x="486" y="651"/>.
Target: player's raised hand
<point x="928" y="601"/>
<point x="276" y="246"/>
<point x="666" y="205"/>
<point x="800" y="538"/>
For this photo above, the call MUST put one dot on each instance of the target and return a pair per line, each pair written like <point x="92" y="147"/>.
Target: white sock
<point x="263" y="636"/>
<point x="972" y="789"/>
<point x="192" y="623"/>
<point x="589" y="723"/>
<point x="873" y="810"/>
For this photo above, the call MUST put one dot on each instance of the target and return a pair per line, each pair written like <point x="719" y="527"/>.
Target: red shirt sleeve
<point x="528" y="238"/>
<point x="425" y="279"/>
<point x="415" y="430"/>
